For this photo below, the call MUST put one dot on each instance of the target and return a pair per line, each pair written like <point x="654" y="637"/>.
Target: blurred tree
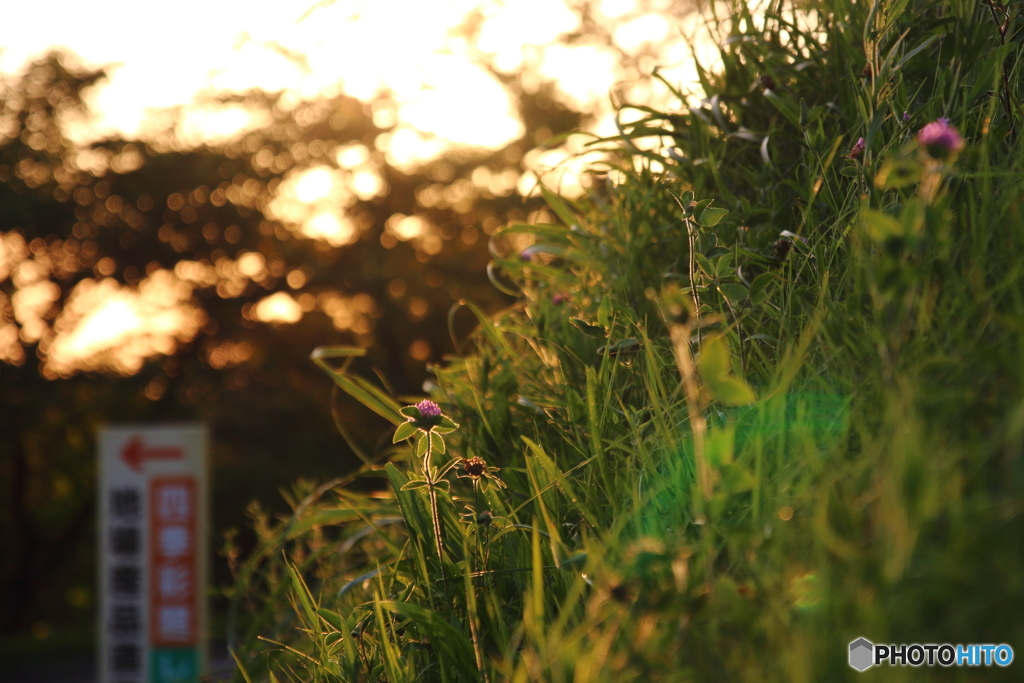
<point x="145" y="281"/>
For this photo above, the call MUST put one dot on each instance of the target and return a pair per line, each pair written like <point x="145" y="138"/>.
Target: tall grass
<point x="761" y="395"/>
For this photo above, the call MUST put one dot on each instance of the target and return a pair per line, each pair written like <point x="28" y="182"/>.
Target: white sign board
<point x="153" y="526"/>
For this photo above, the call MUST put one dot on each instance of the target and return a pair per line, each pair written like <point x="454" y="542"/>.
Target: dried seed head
<point x="620" y="592"/>
<point x="780" y="249"/>
<point x="475" y="467"/>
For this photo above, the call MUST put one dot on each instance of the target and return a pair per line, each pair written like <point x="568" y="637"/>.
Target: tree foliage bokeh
<point x="188" y="238"/>
<point x="207" y="255"/>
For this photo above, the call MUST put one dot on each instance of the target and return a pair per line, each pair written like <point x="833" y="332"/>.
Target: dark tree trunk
<point x="18" y="587"/>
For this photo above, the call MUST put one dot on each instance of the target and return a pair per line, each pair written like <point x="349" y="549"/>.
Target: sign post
<point x="153" y="524"/>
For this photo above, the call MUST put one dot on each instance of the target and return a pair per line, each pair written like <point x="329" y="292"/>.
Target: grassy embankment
<point x="725" y="452"/>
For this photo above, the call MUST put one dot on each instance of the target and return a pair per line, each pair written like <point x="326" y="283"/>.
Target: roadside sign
<point x="152" y="559"/>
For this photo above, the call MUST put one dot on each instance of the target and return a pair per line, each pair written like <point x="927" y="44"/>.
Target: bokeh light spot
<point x="279" y="308"/>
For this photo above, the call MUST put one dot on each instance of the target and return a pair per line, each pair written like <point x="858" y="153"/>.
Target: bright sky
<point x="164" y="54"/>
<point x="167" y="53"/>
<point x="416" y="52"/>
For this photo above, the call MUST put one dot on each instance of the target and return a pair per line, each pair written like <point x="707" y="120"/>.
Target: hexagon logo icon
<point x="862" y="653"/>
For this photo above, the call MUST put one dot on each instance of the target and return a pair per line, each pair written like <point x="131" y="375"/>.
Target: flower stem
<point x="432" y="491"/>
<point x="684" y="360"/>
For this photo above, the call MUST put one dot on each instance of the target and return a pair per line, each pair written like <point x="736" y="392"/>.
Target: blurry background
<point x="195" y="195"/>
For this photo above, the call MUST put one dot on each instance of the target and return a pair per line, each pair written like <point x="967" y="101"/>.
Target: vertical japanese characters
<point x="124" y="577"/>
<point x="173" y="561"/>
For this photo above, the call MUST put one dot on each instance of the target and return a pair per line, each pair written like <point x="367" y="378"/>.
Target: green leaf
<point x="552" y="249"/>
<point x="723" y="265"/>
<point x="587" y="328"/>
<point x="713" y="361"/>
<point x="548" y="231"/>
<point x="558" y="205"/>
<point x="880" y="226"/>
<point x="720" y="444"/>
<point x="241" y="667"/>
<point x="577" y="560"/>
<point x="732" y="391"/>
<point x="699" y="209"/>
<point x="411" y="412"/>
<point x="333" y="619"/>
<point x="305" y="597"/>
<point x="437" y="444"/>
<point x="414" y="484"/>
<point x="421" y="445"/>
<point x="447" y="468"/>
<point x="714" y="365"/>
<point x="733" y="291"/>
<point x="736" y="479"/>
<point x="704" y="263"/>
<point x="450" y="642"/>
<point x="404" y="431"/>
<point x="759" y="287"/>
<point x="629" y="345"/>
<point x="710" y="217"/>
<point x="684" y="202"/>
<point x="561" y="480"/>
<point x="359" y="389"/>
<point x="413" y="513"/>
<point x="786" y="106"/>
<point x="898" y="173"/>
<point x="916" y="214"/>
<point x="320" y="518"/>
<point x="604" y="312"/>
<point x="494" y="276"/>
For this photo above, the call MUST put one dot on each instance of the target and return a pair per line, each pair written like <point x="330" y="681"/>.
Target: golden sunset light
<point x="430" y="71"/>
<point x="510" y="340"/>
<point x="107" y="326"/>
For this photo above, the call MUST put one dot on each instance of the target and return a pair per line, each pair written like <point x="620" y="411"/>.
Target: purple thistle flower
<point x="428" y="409"/>
<point x="940" y="139"/>
<point x="906" y="116"/>
<point x="856" y="150"/>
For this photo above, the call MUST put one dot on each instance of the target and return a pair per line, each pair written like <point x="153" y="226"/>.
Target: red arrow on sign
<point x="135" y="452"/>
